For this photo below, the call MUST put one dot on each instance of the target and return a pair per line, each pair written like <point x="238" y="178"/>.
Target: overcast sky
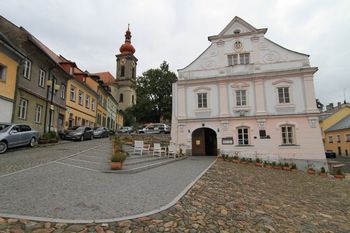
<point x="90" y="32"/>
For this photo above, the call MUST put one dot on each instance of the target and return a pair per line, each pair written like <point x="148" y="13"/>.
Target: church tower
<point x="126" y="73"/>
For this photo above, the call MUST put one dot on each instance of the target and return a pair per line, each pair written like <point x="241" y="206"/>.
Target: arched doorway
<point x="204" y="142"/>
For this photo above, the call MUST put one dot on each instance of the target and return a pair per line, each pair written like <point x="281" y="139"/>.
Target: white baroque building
<point x="248" y="96"/>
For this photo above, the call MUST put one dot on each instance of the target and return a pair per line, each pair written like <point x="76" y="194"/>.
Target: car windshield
<point x="99" y="129"/>
<point x="80" y="129"/>
<point x="4" y="127"/>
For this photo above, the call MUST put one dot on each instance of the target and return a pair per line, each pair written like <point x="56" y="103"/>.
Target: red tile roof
<point x="106" y="77"/>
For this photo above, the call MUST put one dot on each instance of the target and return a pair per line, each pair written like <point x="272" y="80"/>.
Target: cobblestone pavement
<point x="234" y="198"/>
<point x="24" y="157"/>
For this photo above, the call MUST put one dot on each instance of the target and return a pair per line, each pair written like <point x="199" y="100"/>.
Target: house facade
<point x="10" y="60"/>
<point x="246" y="95"/>
<point x="40" y="88"/>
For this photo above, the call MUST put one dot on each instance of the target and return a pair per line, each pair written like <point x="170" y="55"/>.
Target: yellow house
<point x="328" y="119"/>
<point x="9" y="61"/>
<point x="81" y="103"/>
<point x="337" y="137"/>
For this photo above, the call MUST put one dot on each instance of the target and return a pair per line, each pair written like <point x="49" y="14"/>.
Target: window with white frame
<point x="283" y="95"/>
<point x="87" y="101"/>
<point x="80" y="97"/>
<point x="330" y="139"/>
<point x="243" y="136"/>
<point x="27" y="69"/>
<point x="347" y="137"/>
<point x="63" y="91"/>
<point x="23" y="107"/>
<point x="235" y="59"/>
<point x="93" y="103"/>
<point x="42" y="76"/>
<point x="288" y="136"/>
<point x="38" y="113"/>
<point x="244" y="58"/>
<point x="241" y="97"/>
<point x="202" y="100"/>
<point x="72" y="93"/>
<point x="3" y="71"/>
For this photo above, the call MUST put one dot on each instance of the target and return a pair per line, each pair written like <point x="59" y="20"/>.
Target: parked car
<point x="125" y="129"/>
<point x="14" y="135"/>
<point x="157" y="128"/>
<point x="330" y="154"/>
<point x="142" y="128"/>
<point x="101" y="132"/>
<point x="79" y="133"/>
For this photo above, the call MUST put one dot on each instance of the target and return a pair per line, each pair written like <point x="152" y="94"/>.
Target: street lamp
<point x="52" y="88"/>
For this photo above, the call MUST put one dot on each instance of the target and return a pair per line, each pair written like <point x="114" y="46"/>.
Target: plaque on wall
<point x="227" y="141"/>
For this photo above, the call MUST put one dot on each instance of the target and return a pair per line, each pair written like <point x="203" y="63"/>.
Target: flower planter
<point x="339" y="177"/>
<point x="116" y="165"/>
<point x="286" y="168"/>
<point x="54" y="140"/>
<point x="258" y="164"/>
<point x="323" y="174"/>
<point x="43" y="141"/>
<point x="235" y="161"/>
<point x="277" y="167"/>
<point x="311" y="171"/>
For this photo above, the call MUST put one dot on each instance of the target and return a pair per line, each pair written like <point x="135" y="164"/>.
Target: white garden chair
<point x="172" y="151"/>
<point x="138" y="148"/>
<point x="157" y="150"/>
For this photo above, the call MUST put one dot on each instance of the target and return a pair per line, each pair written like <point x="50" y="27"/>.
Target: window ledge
<point x="249" y="145"/>
<point x="289" y="105"/>
<point x="203" y="110"/>
<point x="289" y="146"/>
<point x="241" y="108"/>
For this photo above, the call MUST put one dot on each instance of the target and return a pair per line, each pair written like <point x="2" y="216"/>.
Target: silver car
<point x="13" y="135"/>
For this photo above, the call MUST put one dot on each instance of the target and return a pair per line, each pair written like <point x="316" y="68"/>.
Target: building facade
<point x="10" y="60"/>
<point x="249" y="96"/>
<point x="40" y="91"/>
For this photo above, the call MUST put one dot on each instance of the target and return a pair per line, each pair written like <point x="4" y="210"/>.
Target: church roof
<point x="106" y="77"/>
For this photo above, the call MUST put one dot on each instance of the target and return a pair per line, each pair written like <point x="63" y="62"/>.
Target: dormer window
<point x="236" y="59"/>
<point x="236" y="31"/>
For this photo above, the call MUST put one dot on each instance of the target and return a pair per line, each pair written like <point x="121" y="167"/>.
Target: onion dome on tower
<point x="127" y="47"/>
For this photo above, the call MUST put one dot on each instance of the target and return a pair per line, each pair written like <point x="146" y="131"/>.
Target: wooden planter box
<point x="116" y="165"/>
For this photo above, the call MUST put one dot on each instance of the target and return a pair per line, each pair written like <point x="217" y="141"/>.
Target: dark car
<point x="79" y="133"/>
<point x="101" y="132"/>
<point x="330" y="154"/>
<point x="13" y="135"/>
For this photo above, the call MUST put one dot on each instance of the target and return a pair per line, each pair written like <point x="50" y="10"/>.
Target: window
<point x="348" y="137"/>
<point x="38" y="112"/>
<point x="26" y="69"/>
<point x="63" y="91"/>
<point x="262" y="134"/>
<point x="99" y="118"/>
<point x="241" y="97"/>
<point x="133" y="73"/>
<point x="42" y="75"/>
<point x="232" y="59"/>
<point x="287" y="134"/>
<point x="338" y="138"/>
<point x="79" y="121"/>
<point x="23" y="106"/>
<point x="72" y="93"/>
<point x="81" y="96"/>
<point x="121" y="97"/>
<point x="244" y="58"/>
<point x="330" y="139"/>
<point x="122" y="71"/>
<point x="243" y="136"/>
<point x="202" y="100"/>
<point x="132" y="99"/>
<point x="3" y="70"/>
<point x="283" y="95"/>
<point x="93" y="104"/>
<point x="87" y="101"/>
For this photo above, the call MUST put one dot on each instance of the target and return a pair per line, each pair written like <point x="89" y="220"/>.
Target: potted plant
<point x="323" y="172"/>
<point x="286" y="166"/>
<point x="258" y="162"/>
<point x="243" y="160"/>
<point x="293" y="167"/>
<point x="44" y="139"/>
<point x="267" y="164"/>
<point x="278" y="166"/>
<point x="118" y="155"/>
<point x="117" y="160"/>
<point x="250" y="160"/>
<point x="53" y="138"/>
<point x="311" y="170"/>
<point x="339" y="175"/>
<point x="273" y="164"/>
<point x="235" y="159"/>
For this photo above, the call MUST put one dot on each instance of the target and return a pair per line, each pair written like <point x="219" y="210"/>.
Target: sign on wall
<point x="227" y="141"/>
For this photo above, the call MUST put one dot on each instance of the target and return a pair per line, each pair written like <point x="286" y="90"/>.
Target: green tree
<point x="154" y="94"/>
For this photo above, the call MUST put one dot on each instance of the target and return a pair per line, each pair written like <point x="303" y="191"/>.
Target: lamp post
<point x="52" y="88"/>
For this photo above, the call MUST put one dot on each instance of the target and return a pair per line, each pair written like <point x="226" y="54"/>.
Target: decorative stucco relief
<point x="271" y="56"/>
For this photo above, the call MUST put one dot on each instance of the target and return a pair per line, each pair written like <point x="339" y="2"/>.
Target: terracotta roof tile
<point x="106" y="77"/>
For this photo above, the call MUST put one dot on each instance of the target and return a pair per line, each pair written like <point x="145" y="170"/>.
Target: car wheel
<point x="32" y="142"/>
<point x="82" y="138"/>
<point x="3" y="147"/>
